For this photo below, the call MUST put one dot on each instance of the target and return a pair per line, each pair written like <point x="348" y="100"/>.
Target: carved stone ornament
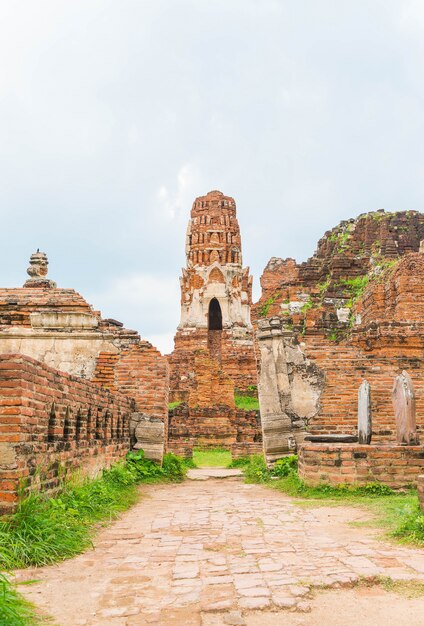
<point x="37" y="271"/>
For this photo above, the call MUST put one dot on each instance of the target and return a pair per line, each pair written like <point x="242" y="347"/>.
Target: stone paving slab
<point x="206" y="473"/>
<point x="189" y="550"/>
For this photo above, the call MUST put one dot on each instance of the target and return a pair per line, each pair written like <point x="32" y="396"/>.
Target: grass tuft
<point x="14" y="610"/>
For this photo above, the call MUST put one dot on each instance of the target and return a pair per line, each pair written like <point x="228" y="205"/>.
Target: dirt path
<point x="222" y="552"/>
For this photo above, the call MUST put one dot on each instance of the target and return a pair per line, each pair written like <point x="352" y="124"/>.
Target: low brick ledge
<point x="393" y="465"/>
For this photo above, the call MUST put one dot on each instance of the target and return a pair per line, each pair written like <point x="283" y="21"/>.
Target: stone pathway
<point x="214" y="552"/>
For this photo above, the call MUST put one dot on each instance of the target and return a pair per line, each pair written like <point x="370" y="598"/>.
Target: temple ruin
<point x="214" y="357"/>
<point x="330" y="360"/>
<point x="77" y="390"/>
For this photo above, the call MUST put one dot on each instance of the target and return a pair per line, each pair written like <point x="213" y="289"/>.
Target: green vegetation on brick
<point x="264" y="310"/>
<point x="247" y="403"/>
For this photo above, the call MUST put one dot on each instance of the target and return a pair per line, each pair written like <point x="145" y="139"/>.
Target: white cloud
<point x="174" y="204"/>
<point x="114" y="116"/>
<point x="144" y="302"/>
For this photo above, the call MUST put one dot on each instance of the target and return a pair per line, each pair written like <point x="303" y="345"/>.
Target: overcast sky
<point x="116" y="114"/>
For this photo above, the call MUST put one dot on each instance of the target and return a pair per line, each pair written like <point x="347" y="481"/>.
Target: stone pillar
<point x="273" y="385"/>
<point x="405" y="409"/>
<point x="148" y="434"/>
<point x="364" y="413"/>
<point x="421" y="491"/>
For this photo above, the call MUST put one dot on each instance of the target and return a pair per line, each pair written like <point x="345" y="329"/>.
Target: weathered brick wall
<point x="350" y="249"/>
<point x="344" y="367"/>
<point x="209" y="417"/>
<point x="50" y="420"/>
<point x="140" y="372"/>
<point x="237" y="360"/>
<point x="395" y="466"/>
<point x="218" y="426"/>
<point x="354" y="310"/>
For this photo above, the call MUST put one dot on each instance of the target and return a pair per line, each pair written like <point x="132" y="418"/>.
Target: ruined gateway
<point x="353" y="311"/>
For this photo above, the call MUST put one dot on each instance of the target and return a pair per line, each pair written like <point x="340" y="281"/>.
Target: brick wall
<point x="210" y="427"/>
<point x="140" y="372"/>
<point x="345" y="366"/>
<point x="237" y="359"/>
<point x="392" y="465"/>
<point x="50" y="420"/>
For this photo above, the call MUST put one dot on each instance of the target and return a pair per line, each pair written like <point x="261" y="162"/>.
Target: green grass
<point x="397" y="512"/>
<point x="46" y="530"/>
<point x="14" y="610"/>
<point x="214" y="457"/>
<point x="247" y="403"/>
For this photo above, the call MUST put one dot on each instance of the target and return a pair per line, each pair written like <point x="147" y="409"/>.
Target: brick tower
<point x="214" y="356"/>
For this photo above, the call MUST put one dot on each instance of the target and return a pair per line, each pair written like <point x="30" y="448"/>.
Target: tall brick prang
<point x="214" y="340"/>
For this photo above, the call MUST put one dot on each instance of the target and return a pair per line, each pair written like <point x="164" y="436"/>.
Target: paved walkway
<point x="211" y="553"/>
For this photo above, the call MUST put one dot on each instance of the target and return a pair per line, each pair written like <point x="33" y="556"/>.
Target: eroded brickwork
<point x="355" y="310"/>
<point x="140" y="372"/>
<point x="52" y="422"/>
<point x="58" y="327"/>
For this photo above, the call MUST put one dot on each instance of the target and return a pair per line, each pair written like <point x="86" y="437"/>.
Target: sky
<point x="116" y="114"/>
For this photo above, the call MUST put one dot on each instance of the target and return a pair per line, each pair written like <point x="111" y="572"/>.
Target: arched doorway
<point x="215" y="315"/>
<point x="215" y="329"/>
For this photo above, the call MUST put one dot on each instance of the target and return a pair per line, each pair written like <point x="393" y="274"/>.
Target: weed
<point x="285" y="466"/>
<point x="173" y="405"/>
<point x="256" y="471"/>
<point x="264" y="310"/>
<point x="242" y="461"/>
<point x="406" y="588"/>
<point x="412" y="528"/>
<point x="307" y="306"/>
<point x="323" y="287"/>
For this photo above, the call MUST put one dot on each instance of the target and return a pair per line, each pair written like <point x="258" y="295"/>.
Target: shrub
<point x="285" y="466"/>
<point x="411" y="528"/>
<point x="256" y="471"/>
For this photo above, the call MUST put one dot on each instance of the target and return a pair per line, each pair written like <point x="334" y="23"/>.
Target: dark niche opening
<point x="215" y="315"/>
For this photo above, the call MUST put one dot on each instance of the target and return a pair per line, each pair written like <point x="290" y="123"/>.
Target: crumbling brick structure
<point x="353" y="311"/>
<point x="59" y="328"/>
<point x="51" y="423"/>
<point x="214" y="355"/>
<point x="108" y="388"/>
